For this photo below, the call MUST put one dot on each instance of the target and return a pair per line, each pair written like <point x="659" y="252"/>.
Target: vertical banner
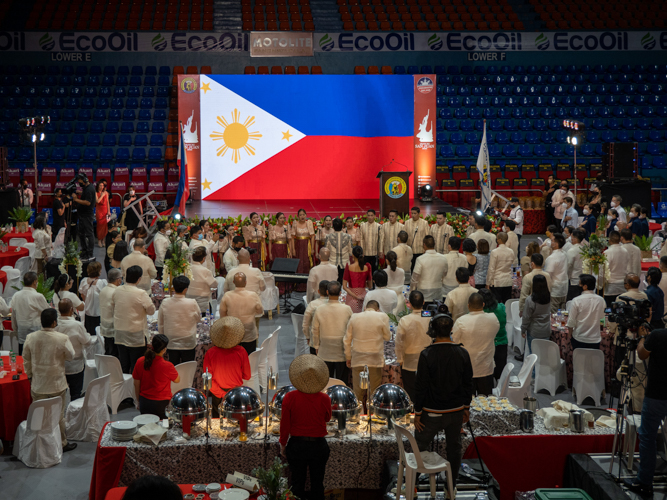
<point x="189" y="126"/>
<point x="425" y="120"/>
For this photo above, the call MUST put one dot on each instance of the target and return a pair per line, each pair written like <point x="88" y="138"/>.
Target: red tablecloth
<point x="10" y="257"/>
<point x="3" y="279"/>
<point x="9" y="236"/>
<point x="654" y="226"/>
<point x="7" y="324"/>
<point x="647" y="265"/>
<point x="519" y="463"/>
<point x="117" y="493"/>
<point x="534" y="220"/>
<point x="15" y="400"/>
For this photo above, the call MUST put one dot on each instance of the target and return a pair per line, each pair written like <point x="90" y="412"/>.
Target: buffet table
<point x="117" y="493"/>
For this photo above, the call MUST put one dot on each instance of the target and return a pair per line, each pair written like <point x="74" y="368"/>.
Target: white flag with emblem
<point x="484" y="169"/>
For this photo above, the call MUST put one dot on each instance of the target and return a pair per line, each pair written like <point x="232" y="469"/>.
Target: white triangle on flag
<point x="236" y="135"/>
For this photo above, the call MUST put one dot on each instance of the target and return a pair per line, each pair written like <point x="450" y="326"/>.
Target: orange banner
<point x="425" y="122"/>
<point x="189" y="123"/>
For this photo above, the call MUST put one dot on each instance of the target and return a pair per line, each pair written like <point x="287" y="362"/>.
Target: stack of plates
<point x="123" y="430"/>
<point x="142" y="420"/>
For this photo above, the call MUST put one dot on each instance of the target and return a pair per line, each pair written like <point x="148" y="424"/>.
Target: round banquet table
<point x="117" y="493"/>
<point x="15" y="400"/>
<point x="10" y="257"/>
<point x="9" y="236"/>
<point x="654" y="226"/>
<point x="647" y="265"/>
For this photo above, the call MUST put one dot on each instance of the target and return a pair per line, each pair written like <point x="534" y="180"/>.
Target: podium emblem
<point x="395" y="187"/>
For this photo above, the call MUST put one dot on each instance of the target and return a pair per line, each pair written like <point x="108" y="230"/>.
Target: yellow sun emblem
<point x="235" y="136"/>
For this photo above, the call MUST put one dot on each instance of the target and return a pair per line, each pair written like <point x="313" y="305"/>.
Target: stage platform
<point x="314" y="208"/>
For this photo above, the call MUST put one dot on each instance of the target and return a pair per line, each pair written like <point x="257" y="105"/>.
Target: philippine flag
<point x="303" y="136"/>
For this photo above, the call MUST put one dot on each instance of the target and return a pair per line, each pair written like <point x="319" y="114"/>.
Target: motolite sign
<point x="280" y="44"/>
<point x="425" y="123"/>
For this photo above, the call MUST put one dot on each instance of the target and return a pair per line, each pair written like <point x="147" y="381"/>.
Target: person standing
<point x="322" y="232"/>
<point x="386" y="298"/>
<point x="457" y="299"/>
<point x="310" y="311"/>
<point x="389" y="233"/>
<point x="90" y="289"/>
<point x="417" y="229"/>
<point x="575" y="264"/>
<point x="279" y="239"/>
<point x="161" y="244"/>
<point x="27" y="305"/>
<point x="404" y="255"/>
<point x="536" y="317"/>
<point x="254" y="278"/>
<point x="131" y="306"/>
<point x="395" y="280"/>
<point x="590" y="222"/>
<point x="177" y="319"/>
<point x="59" y="207"/>
<point x="616" y="201"/>
<point x="570" y="215"/>
<point x="512" y="239"/>
<point x="139" y="258"/>
<point x="482" y="258"/>
<point x="61" y="288"/>
<point x="556" y="266"/>
<point x="325" y="270"/>
<point x="536" y="261"/>
<point x="85" y="204"/>
<point x="245" y="305"/>
<point x="441" y="232"/>
<point x="329" y="328"/>
<point x="352" y="230"/>
<point x="153" y="377"/>
<point x="551" y="188"/>
<point x="255" y="237"/>
<point x="444" y="390"/>
<point x="101" y="211"/>
<point x="357" y="280"/>
<point x="131" y="220"/>
<point x="79" y="338"/>
<point x="516" y="216"/>
<point x="477" y="331"/>
<point x="203" y="281"/>
<point x="303" y="242"/>
<point x="370" y="240"/>
<point x="43" y="244"/>
<point x="364" y="346"/>
<point x="531" y="248"/>
<point x="303" y="425"/>
<point x="339" y="245"/>
<point x="617" y="260"/>
<point x="499" y="275"/>
<point x="429" y="271"/>
<point x="455" y="260"/>
<point x="558" y="202"/>
<point x="227" y="361"/>
<point x="26" y="195"/>
<point x="114" y="280"/>
<point x="491" y="305"/>
<point x="634" y="254"/>
<point x="231" y="259"/>
<point x="201" y="237"/>
<point x="656" y="296"/>
<point x="479" y="233"/>
<point x="411" y="340"/>
<point x="586" y="311"/>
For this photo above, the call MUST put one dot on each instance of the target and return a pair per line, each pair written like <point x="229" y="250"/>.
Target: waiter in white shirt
<point x="574" y="263"/>
<point x="617" y="260"/>
<point x="516" y="216"/>
<point x="178" y="318"/>
<point x="161" y="244"/>
<point x="586" y="311"/>
<point x="325" y="270"/>
<point x="556" y="266"/>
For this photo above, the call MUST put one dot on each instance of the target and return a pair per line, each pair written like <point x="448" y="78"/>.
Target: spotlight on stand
<point x="177" y="216"/>
<point x="479" y="212"/>
<point x="575" y="130"/>
<point x="426" y="193"/>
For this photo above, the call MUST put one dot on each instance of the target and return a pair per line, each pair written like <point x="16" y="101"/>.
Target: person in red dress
<point x="101" y="211"/>
<point x="303" y="425"/>
<point x="357" y="280"/>
<point x="226" y="361"/>
<point x="153" y="377"/>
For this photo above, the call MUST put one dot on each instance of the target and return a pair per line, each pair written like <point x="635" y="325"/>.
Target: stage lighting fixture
<point x="34" y="138"/>
<point x="479" y="212"/>
<point x="426" y="193"/>
<point x="177" y="216"/>
<point x="575" y="140"/>
<point x="41" y="136"/>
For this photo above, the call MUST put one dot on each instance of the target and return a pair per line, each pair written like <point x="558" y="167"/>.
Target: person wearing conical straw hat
<point x="303" y="425"/>
<point x="226" y="361"/>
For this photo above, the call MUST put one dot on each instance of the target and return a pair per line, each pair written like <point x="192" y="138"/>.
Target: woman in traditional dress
<point x="323" y="232"/>
<point x="352" y="231"/>
<point x="101" y="212"/>
<point x="303" y="242"/>
<point x="279" y="239"/>
<point x="255" y="237"/>
<point x="357" y="280"/>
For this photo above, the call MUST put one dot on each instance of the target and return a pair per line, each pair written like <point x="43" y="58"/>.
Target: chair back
<point x="17" y="242"/>
<point x="332" y="382"/>
<point x="97" y="393"/>
<point x="504" y="380"/>
<point x="567" y="305"/>
<point x="547" y="352"/>
<point x="109" y="365"/>
<point x="269" y="357"/>
<point x="305" y="301"/>
<point x="514" y="313"/>
<point x="301" y="346"/>
<point x="4" y="353"/>
<point x="254" y="359"/>
<point x="23" y="265"/>
<point x="44" y="415"/>
<point x="187" y="373"/>
<point x="6" y="268"/>
<point x="31" y="249"/>
<point x="401" y="432"/>
<point x="527" y="368"/>
<point x="509" y="310"/>
<point x="13" y="280"/>
<point x="588" y="363"/>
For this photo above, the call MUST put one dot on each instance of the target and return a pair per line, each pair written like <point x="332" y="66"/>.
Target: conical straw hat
<point x="227" y="332"/>
<point x="308" y="373"/>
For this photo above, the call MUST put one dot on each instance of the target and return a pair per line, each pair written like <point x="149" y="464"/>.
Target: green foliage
<point x="177" y="263"/>
<point x="72" y="253"/>
<point x="20" y="214"/>
<point x="45" y="287"/>
<point x="396" y="318"/>
<point x="602" y="222"/>
<point x="644" y="243"/>
<point x="272" y="481"/>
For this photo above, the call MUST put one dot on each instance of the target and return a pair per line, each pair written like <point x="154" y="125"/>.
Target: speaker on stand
<point x="620" y="160"/>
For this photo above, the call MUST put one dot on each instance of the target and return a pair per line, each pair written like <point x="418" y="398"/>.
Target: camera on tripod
<point x="70" y="187"/>
<point x="630" y="314"/>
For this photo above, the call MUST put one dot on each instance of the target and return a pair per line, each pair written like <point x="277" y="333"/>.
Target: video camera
<point x="631" y="314"/>
<point x="70" y="187"/>
<point x="432" y="309"/>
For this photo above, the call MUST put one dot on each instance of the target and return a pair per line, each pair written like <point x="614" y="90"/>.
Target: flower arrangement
<point x="72" y="258"/>
<point x="177" y="263"/>
<point x="594" y="260"/>
<point x="272" y="481"/>
<point x="22" y="216"/>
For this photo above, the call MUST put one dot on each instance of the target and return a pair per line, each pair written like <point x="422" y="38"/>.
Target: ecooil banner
<point x="181" y="41"/>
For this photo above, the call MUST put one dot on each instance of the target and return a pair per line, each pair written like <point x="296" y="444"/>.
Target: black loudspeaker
<point x="620" y="160"/>
<point x="631" y="192"/>
<point x="9" y="199"/>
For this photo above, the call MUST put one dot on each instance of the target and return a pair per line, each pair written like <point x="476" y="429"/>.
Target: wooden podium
<point x="394" y="192"/>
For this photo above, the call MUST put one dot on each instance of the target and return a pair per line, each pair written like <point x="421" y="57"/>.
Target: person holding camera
<point x="654" y="408"/>
<point x="443" y="391"/>
<point x="86" y="202"/>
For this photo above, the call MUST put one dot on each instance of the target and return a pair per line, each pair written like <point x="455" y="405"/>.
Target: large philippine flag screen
<point x="303" y="136"/>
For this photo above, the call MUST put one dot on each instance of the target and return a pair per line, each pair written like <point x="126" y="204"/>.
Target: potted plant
<point x="176" y="262"/>
<point x="272" y="482"/>
<point x="71" y="263"/>
<point x="644" y="244"/>
<point x="22" y="217"/>
<point x="45" y="287"/>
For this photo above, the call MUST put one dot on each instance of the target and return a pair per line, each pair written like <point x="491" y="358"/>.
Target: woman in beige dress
<point x="323" y="232"/>
<point x="352" y="231"/>
<point x="255" y="237"/>
<point x="303" y="242"/>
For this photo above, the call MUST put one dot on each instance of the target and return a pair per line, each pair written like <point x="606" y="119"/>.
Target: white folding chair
<point x="187" y="373"/>
<point x="121" y="384"/>
<point x="89" y="370"/>
<point x="588" y="379"/>
<point x="305" y="301"/>
<point x="253" y="382"/>
<point x="23" y="265"/>
<point x="17" y="242"/>
<point x="516" y="394"/>
<point x="31" y="249"/>
<point x="509" y="324"/>
<point x="424" y="462"/>
<point x="10" y="341"/>
<point x="6" y="268"/>
<point x="96" y="346"/>
<point x="550" y="371"/>
<point x="37" y="442"/>
<point x="516" y="327"/>
<point x="503" y="381"/>
<point x="13" y="282"/>
<point x="86" y="416"/>
<point x="269" y="357"/>
<point x="271" y="295"/>
<point x="301" y="346"/>
<point x="332" y="382"/>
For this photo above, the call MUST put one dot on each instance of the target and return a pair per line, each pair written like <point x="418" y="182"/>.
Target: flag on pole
<point x="484" y="171"/>
<point x="183" y="191"/>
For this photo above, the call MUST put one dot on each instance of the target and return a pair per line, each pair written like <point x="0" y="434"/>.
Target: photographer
<point x="86" y="203"/>
<point x="231" y="257"/>
<point x="654" y="409"/>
